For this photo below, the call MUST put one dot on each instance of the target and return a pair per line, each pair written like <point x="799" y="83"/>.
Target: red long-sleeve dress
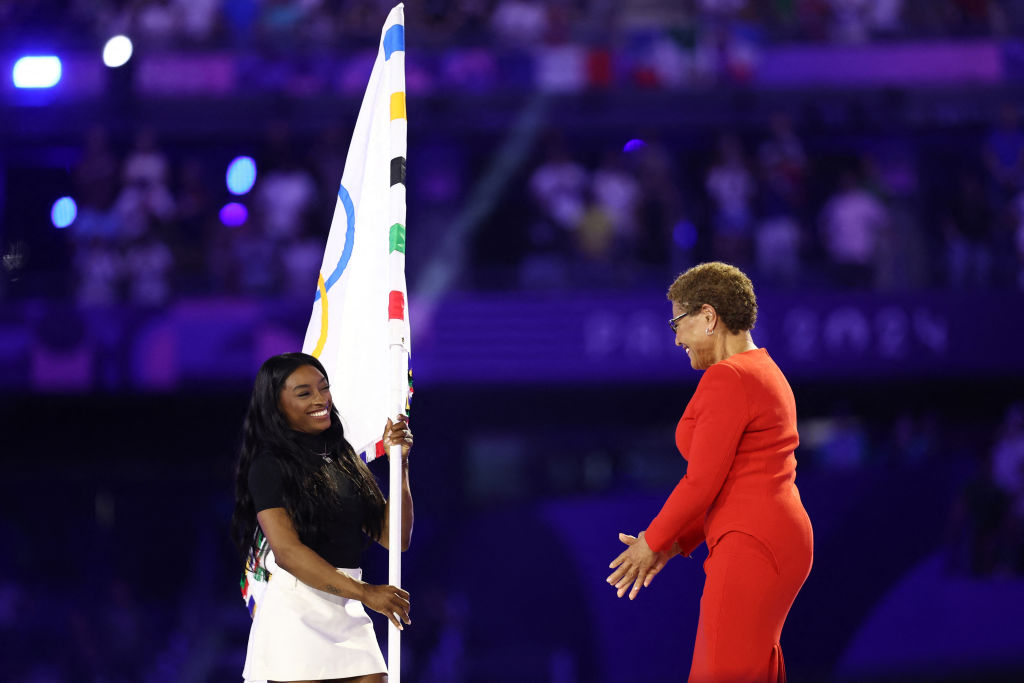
<point x="738" y="434"/>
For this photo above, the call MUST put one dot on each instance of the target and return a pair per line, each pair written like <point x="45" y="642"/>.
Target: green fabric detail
<point x="398" y="237"/>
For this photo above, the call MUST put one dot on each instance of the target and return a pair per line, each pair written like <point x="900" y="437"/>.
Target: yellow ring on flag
<point x="397" y="105"/>
<point x="323" y="316"/>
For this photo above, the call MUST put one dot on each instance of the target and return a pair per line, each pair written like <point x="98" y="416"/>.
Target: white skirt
<point x="301" y="633"/>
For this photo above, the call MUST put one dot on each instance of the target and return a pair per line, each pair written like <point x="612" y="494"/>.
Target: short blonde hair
<point x="724" y="287"/>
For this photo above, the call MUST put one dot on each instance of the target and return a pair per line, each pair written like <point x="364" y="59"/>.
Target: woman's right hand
<point x="390" y="601"/>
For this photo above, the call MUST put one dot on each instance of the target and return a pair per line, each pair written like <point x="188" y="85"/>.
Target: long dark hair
<point x="307" y="488"/>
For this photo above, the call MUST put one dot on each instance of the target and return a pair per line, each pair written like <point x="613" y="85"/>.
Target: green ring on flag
<point x="350" y="234"/>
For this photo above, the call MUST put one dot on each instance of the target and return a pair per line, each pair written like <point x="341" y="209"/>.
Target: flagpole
<point x="361" y="285"/>
<point x="399" y="361"/>
<point x="399" y="342"/>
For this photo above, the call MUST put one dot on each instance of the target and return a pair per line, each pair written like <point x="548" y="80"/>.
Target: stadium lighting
<point x="64" y="212"/>
<point x="233" y="214"/>
<point x="36" y="71"/>
<point x="634" y="145"/>
<point x="241" y="175"/>
<point x="117" y="51"/>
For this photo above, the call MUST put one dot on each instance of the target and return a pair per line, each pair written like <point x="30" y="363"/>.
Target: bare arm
<point x="407" y="512"/>
<point x="298" y="559"/>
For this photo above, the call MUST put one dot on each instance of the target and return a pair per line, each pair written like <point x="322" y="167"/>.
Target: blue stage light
<point x="38" y="71"/>
<point x="117" y="51"/>
<point x="234" y="214"/>
<point x="241" y="175"/>
<point x="634" y="145"/>
<point x="63" y="212"/>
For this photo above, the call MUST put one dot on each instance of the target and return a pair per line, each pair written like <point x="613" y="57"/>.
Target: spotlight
<point x="117" y="51"/>
<point x="634" y="145"/>
<point x="63" y="212"/>
<point x="241" y="175"/>
<point x="36" y="71"/>
<point x="233" y="214"/>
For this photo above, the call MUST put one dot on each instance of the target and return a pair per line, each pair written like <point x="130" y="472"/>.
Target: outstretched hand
<point x="637" y="564"/>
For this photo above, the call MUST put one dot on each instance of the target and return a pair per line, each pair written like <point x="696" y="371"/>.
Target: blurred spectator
<point x="777" y="244"/>
<point x="198" y="18"/>
<point x="987" y="522"/>
<point x="660" y="210"/>
<point x="327" y="159"/>
<point x="145" y="200"/>
<point x="558" y="186"/>
<point x="885" y="17"/>
<point x="520" y="22"/>
<point x="196" y="225"/>
<point x="976" y="524"/>
<point x="616" y="190"/>
<point x="97" y="186"/>
<point x="253" y="259"/>
<point x="851" y="224"/>
<point x="475" y="22"/>
<point x="595" y="238"/>
<point x="968" y="233"/>
<point x="914" y="438"/>
<point x="95" y="176"/>
<point x="282" y="20"/>
<point x="1008" y="457"/>
<point x="850" y="20"/>
<point x="286" y="192"/>
<point x="148" y="263"/>
<point x="300" y="262"/>
<point x="812" y="19"/>
<point x="596" y="232"/>
<point x="731" y="188"/>
<point x="782" y="164"/>
<point x="902" y="254"/>
<point x="156" y="20"/>
<point x="98" y="268"/>
<point x="975" y="17"/>
<point x="838" y="442"/>
<point x="1004" y="154"/>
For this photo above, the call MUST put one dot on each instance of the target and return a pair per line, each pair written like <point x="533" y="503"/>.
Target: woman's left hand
<point x="637" y="564"/>
<point x="398" y="433"/>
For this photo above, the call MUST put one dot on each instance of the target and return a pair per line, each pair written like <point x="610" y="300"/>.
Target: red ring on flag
<point x="396" y="306"/>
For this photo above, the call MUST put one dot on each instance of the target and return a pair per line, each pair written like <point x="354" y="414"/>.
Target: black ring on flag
<point x="398" y="171"/>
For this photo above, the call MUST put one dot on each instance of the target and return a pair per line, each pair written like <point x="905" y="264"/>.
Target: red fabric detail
<point x="380" y="449"/>
<point x="396" y="306"/>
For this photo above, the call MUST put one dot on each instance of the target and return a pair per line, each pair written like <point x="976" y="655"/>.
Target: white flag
<point x="359" y="308"/>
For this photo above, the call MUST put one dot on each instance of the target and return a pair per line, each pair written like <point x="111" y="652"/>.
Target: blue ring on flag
<point x="394" y="41"/>
<point x="350" y="234"/>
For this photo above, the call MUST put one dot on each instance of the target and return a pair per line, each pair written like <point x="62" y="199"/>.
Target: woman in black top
<point x="301" y="484"/>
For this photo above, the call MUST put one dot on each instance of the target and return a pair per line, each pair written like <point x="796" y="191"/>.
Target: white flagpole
<point x="400" y="362"/>
<point x="399" y="346"/>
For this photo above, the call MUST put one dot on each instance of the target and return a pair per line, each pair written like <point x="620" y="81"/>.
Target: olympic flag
<point x="359" y="326"/>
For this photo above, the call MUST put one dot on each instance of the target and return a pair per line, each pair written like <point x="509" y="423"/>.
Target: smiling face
<point x="305" y="401"/>
<point x="691" y="336"/>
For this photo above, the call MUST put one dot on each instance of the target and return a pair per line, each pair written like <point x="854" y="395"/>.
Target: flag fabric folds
<point x="359" y="325"/>
<point x="359" y="307"/>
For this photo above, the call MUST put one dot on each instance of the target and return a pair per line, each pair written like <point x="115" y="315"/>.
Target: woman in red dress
<point x="738" y="435"/>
